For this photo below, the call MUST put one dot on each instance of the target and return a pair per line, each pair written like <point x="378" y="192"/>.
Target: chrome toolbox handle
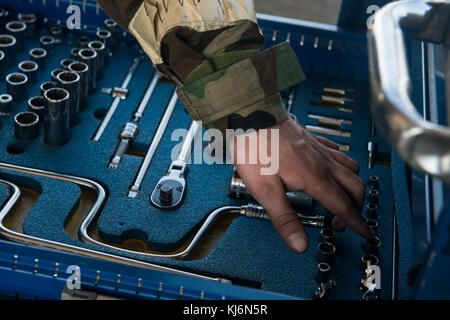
<point x="423" y="145"/>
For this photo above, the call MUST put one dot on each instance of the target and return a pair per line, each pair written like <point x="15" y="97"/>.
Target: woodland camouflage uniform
<point x="212" y="50"/>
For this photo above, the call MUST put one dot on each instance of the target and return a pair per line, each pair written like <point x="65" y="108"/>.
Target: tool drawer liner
<point x="250" y="250"/>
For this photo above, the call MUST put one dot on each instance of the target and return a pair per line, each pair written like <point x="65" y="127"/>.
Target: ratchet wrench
<point x="170" y="189"/>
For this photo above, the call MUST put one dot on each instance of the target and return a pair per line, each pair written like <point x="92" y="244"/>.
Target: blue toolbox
<point x="70" y="229"/>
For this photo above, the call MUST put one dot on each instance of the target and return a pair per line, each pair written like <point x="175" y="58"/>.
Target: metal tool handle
<point x="185" y="151"/>
<point x="134" y="189"/>
<point x="422" y="144"/>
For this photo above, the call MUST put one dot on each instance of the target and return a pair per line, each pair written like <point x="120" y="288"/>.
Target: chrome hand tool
<point x="290" y="103"/>
<point x="134" y="189"/>
<point x="298" y="199"/>
<point x="137" y="116"/>
<point x="127" y="137"/>
<point x="170" y="189"/>
<point x="115" y="103"/>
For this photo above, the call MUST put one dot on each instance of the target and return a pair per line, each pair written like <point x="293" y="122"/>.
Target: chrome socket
<point x="57" y="33"/>
<point x="16" y="86"/>
<point x="89" y="57"/>
<point x="57" y="117"/>
<point x="371" y="245"/>
<point x="111" y="26"/>
<point x="372" y="197"/>
<point x="371" y="211"/>
<point x="83" y="42"/>
<point x="100" y="49"/>
<point x="323" y="272"/>
<point x="47" y="43"/>
<point x="2" y="63"/>
<point x="326" y="253"/>
<point x="8" y="46"/>
<point x="17" y="29"/>
<point x="47" y="85"/>
<point x="373" y="182"/>
<point x="105" y="37"/>
<point x="74" y="54"/>
<point x="328" y="235"/>
<point x="54" y="74"/>
<point x="26" y="125"/>
<point x="37" y="105"/>
<point x="39" y="55"/>
<point x="82" y="70"/>
<point x="65" y="63"/>
<point x="6" y="104"/>
<point x="30" y="20"/>
<point x="373" y="224"/>
<point x="368" y="259"/>
<point x="30" y="69"/>
<point x="70" y="81"/>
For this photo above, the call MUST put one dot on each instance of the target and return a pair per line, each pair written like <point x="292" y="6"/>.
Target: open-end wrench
<point x="137" y="116"/>
<point x="134" y="189"/>
<point x="170" y="189"/>
<point x="115" y="103"/>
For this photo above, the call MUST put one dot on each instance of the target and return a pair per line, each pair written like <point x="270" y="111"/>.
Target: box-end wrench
<point x="115" y="103"/>
<point x="170" y="189"/>
<point x="137" y="116"/>
<point x="134" y="189"/>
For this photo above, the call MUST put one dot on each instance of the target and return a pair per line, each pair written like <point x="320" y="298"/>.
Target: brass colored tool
<point x="319" y="129"/>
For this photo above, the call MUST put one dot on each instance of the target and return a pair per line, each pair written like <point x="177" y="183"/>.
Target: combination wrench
<point x="170" y="189"/>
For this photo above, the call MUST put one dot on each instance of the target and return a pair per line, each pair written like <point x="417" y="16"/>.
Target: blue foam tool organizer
<point x="250" y="252"/>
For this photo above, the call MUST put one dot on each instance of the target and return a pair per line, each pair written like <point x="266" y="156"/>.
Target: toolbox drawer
<point x="246" y="252"/>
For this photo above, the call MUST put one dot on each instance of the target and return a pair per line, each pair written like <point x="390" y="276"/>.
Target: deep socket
<point x="89" y="57"/>
<point x="47" y="43"/>
<point x="16" y="86"/>
<point x="2" y="63"/>
<point x="26" y="125"/>
<point x="37" y="105"/>
<point x="30" y="69"/>
<point x="57" y="116"/>
<point x="366" y="259"/>
<point x="372" y="197"/>
<point x="8" y="46"/>
<point x="30" y="19"/>
<point x="74" y="54"/>
<point x="371" y="211"/>
<point x="328" y="235"/>
<point x="111" y="26"/>
<point x="371" y="245"/>
<point x="326" y="253"/>
<point x="71" y="82"/>
<point x="65" y="63"/>
<point x="39" y="55"/>
<point x="323" y="272"/>
<point x="373" y="182"/>
<point x="99" y="48"/>
<point x="6" y="106"/>
<point x="82" y="69"/>
<point x="83" y="42"/>
<point x="105" y="37"/>
<point x="17" y="29"/>
<point x="373" y="224"/>
<point x="54" y="74"/>
<point x="47" y="85"/>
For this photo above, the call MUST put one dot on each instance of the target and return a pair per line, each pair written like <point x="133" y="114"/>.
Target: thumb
<point x="284" y="217"/>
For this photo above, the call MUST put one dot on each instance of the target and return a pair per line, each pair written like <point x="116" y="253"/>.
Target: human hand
<point x="309" y="163"/>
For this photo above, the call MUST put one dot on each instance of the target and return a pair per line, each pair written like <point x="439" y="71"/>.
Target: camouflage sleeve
<point x="212" y="50"/>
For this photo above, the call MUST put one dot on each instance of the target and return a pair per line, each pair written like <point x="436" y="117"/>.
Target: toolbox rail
<point x="422" y="144"/>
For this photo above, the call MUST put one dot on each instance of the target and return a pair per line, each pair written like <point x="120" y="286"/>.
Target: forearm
<point x="212" y="49"/>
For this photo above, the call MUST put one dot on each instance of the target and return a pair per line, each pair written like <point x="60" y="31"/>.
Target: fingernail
<point x="298" y="242"/>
